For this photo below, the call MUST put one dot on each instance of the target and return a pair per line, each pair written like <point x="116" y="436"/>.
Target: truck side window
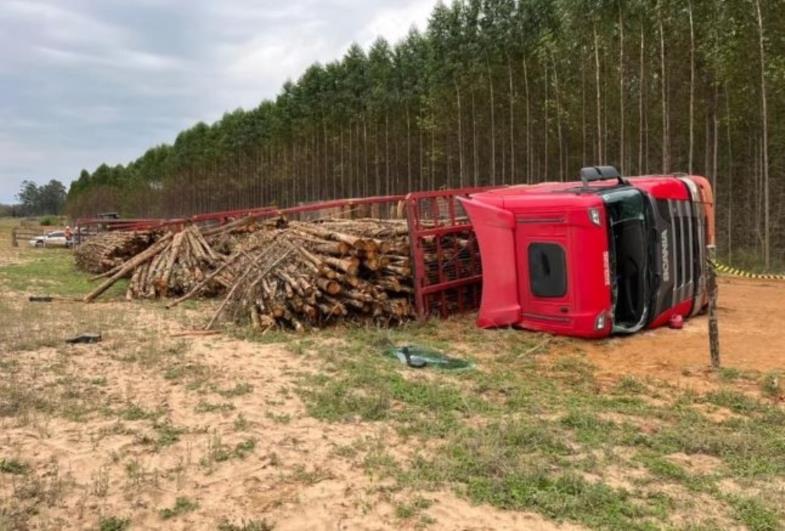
<point x="547" y="270"/>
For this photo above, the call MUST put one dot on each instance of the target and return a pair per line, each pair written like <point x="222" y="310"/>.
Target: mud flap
<point x="495" y="230"/>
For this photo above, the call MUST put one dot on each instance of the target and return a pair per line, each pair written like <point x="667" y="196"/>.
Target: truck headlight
<point x="599" y="323"/>
<point x="594" y="216"/>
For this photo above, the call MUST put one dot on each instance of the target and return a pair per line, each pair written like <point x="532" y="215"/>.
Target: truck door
<point x="543" y="277"/>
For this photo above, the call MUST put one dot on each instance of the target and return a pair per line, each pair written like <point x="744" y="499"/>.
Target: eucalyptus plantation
<point x="502" y="92"/>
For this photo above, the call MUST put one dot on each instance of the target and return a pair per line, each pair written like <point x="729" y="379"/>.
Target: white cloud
<point x="91" y="81"/>
<point x="54" y="22"/>
<point x="394" y="23"/>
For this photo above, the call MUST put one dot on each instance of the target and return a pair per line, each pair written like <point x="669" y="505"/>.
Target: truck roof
<point x="658" y="185"/>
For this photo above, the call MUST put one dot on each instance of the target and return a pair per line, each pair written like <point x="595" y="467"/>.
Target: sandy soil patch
<point x="751" y="321"/>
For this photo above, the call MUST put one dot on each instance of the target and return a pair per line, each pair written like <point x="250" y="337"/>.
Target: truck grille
<point x="682" y="255"/>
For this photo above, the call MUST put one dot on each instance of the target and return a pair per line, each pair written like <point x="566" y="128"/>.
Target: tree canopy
<point x="40" y="200"/>
<point x="500" y="92"/>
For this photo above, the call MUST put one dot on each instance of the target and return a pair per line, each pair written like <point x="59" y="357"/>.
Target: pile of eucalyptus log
<point x="179" y="261"/>
<point x="171" y="266"/>
<point x="308" y="274"/>
<point x="107" y="250"/>
<point x="279" y="274"/>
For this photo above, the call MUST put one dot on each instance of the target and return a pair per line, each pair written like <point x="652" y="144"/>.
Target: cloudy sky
<point x="90" y="81"/>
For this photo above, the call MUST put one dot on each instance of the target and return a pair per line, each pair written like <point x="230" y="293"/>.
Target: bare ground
<point x="123" y="428"/>
<point x="751" y="314"/>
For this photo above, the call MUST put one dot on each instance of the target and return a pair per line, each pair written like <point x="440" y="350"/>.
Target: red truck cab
<point x="592" y="258"/>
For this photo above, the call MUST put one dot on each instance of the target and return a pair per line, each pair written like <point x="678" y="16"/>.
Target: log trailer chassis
<point x="567" y="258"/>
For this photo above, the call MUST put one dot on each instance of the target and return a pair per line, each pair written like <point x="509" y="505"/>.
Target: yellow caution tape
<point x="733" y="271"/>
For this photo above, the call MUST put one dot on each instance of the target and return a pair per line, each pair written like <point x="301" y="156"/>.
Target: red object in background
<point x="676" y="322"/>
<point x="595" y="257"/>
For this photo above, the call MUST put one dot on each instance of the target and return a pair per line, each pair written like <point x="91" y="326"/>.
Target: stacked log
<point x="171" y="266"/>
<point x="310" y="274"/>
<point x="280" y="274"/>
<point x="184" y="262"/>
<point x="107" y="250"/>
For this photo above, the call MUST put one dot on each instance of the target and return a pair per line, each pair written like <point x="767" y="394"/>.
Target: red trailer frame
<point x="449" y="282"/>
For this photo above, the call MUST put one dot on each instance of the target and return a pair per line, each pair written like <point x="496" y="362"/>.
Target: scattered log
<point x="129" y="266"/>
<point x="104" y="253"/>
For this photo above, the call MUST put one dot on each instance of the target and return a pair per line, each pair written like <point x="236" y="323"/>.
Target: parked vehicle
<point x="607" y="255"/>
<point x="52" y="239"/>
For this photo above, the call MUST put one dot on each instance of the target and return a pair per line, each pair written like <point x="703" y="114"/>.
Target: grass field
<point x="146" y="430"/>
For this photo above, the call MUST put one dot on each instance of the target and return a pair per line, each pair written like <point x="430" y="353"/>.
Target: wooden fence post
<point x="14" y="243"/>
<point x="714" y="333"/>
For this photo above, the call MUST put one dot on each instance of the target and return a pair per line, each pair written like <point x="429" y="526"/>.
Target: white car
<point x="52" y="239"/>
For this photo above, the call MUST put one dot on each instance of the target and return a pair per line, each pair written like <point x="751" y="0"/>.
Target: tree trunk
<point x="408" y="151"/>
<point x="621" y="90"/>
<point x="511" y="93"/>
<point x="460" y="135"/>
<point x="364" y="175"/>
<point x="558" y="120"/>
<point x="421" y="172"/>
<point x="730" y="177"/>
<point x="583" y="110"/>
<point x="377" y="187"/>
<point x="663" y="82"/>
<point x="475" y="148"/>
<point x="716" y="121"/>
<point x="387" y="153"/>
<point x="692" y="86"/>
<point x="547" y="124"/>
<point x="493" y="123"/>
<point x="528" y="123"/>
<point x="433" y="155"/>
<point x="599" y="103"/>
<point x="764" y="140"/>
<point x="641" y="105"/>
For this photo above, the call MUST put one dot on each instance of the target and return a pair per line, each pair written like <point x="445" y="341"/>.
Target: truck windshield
<point x="626" y="210"/>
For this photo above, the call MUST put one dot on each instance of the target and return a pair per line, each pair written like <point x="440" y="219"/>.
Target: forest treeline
<point x="499" y="92"/>
<point x="35" y="200"/>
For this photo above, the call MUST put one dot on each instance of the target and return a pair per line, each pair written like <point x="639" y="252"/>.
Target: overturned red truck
<point x="606" y="255"/>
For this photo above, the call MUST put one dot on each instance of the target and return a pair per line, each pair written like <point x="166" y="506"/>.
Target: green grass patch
<point x="134" y="411"/>
<point x="165" y="434"/>
<point x="530" y="431"/>
<point x="13" y="466"/>
<point x="733" y="400"/>
<point x="52" y="272"/>
<point x="246" y="525"/>
<point x="114" y="523"/>
<point x="771" y="384"/>
<point x="412" y="508"/>
<point x="239" y="389"/>
<point x="181" y="506"/>
<point x="630" y="385"/>
<point x="208" y="407"/>
<point x="754" y="514"/>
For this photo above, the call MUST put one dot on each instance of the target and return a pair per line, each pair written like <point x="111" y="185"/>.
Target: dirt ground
<point x="751" y="316"/>
<point x="146" y="430"/>
<point x="235" y="440"/>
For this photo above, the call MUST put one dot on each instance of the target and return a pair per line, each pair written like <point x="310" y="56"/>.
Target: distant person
<point x="68" y="234"/>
